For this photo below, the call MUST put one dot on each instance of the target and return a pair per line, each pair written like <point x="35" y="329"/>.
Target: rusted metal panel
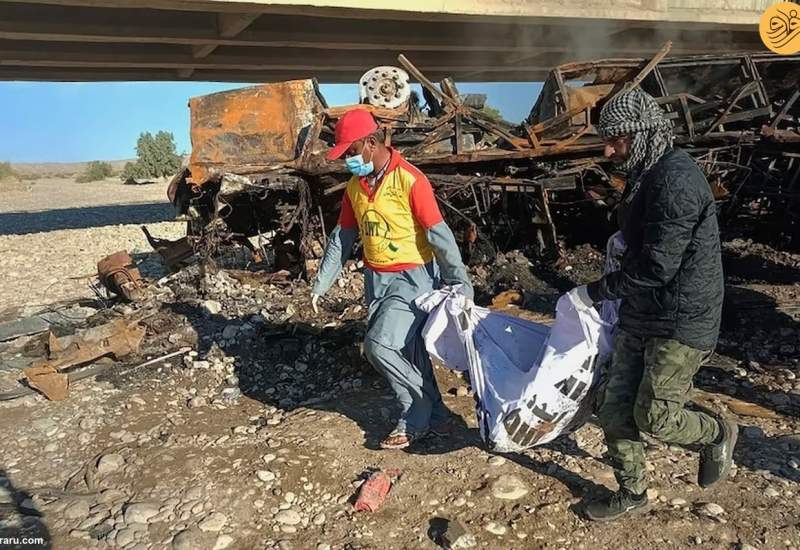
<point x="256" y="128"/>
<point x="115" y="338"/>
<point x="117" y="274"/>
<point x="175" y="254"/>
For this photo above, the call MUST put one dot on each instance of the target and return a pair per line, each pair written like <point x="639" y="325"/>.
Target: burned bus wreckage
<point x="258" y="169"/>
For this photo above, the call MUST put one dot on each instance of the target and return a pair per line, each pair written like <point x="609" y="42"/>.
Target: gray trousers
<point x="394" y="345"/>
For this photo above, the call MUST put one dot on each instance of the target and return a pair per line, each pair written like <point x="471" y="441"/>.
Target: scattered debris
<point x="116" y="338"/>
<point x="48" y="380"/>
<point x="119" y="277"/>
<point x="175" y="254"/>
<point x="22" y="327"/>
<point x="374" y="490"/>
<point x="42" y="322"/>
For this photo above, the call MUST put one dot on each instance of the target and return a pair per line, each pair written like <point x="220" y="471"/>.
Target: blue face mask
<point x="357" y="166"/>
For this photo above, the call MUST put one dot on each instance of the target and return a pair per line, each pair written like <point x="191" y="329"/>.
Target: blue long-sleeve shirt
<point x="440" y="237"/>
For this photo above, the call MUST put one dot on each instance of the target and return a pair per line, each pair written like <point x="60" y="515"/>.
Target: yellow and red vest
<point x="392" y="218"/>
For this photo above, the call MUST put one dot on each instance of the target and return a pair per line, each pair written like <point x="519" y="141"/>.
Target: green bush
<point x="156" y="157"/>
<point x="133" y="171"/>
<point x="95" y="171"/>
<point x="7" y="173"/>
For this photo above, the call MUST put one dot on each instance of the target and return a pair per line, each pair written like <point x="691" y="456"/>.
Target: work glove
<point x="580" y="297"/>
<point x="463" y="291"/>
<point x="314" y="302"/>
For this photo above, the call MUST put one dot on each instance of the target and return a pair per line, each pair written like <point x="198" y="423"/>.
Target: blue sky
<point x="70" y="122"/>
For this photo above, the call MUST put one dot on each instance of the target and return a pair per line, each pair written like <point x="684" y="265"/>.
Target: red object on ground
<point x="373" y="492"/>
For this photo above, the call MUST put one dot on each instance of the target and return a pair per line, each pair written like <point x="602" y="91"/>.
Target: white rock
<point x="110" y="463"/>
<point x="319" y="519"/>
<point x="212" y="306"/>
<point x="265" y="475"/>
<point x="6" y="496"/>
<point x="770" y="492"/>
<point x="495" y="528"/>
<point x="509" y="487"/>
<point x="197" y="401"/>
<point x="213" y="523"/>
<point x="496" y="461"/>
<point x="712" y="509"/>
<point x="677" y="502"/>
<point x="140" y="512"/>
<point x="288" y="517"/>
<point x="223" y="541"/>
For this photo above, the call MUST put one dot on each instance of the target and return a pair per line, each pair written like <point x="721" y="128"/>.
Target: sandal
<point x="398" y="440"/>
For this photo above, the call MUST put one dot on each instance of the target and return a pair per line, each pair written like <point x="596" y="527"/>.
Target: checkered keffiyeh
<point x="636" y="113"/>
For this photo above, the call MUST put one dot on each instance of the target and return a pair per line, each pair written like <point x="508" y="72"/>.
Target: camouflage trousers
<point x="646" y="388"/>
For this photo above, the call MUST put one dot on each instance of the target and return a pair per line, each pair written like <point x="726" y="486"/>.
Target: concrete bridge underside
<point x="336" y="41"/>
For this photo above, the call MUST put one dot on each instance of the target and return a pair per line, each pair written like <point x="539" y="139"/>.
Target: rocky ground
<point x="259" y="433"/>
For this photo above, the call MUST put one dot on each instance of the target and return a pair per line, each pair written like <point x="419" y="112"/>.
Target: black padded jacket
<point x="670" y="281"/>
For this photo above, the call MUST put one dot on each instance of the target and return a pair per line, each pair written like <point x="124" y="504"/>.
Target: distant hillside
<point x="68" y="169"/>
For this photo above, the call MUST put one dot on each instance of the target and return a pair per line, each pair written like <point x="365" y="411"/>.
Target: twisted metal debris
<point x="258" y="162"/>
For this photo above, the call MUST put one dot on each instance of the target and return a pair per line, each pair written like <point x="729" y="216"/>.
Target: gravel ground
<point x="261" y="435"/>
<point x="52" y="236"/>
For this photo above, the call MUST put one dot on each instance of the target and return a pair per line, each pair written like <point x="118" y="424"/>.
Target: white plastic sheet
<point x="532" y="382"/>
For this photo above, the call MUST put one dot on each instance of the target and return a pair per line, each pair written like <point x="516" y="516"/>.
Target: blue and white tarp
<point x="532" y="382"/>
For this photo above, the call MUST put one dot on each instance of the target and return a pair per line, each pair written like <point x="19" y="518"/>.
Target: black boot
<point x="615" y="505"/>
<point x="716" y="459"/>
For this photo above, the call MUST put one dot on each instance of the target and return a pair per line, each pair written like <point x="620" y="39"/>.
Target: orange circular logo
<point x="780" y="28"/>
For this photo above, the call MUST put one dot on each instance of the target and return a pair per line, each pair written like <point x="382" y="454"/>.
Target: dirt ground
<point x="260" y="436"/>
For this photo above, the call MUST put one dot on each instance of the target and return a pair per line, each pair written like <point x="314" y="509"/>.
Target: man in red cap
<point x="408" y="251"/>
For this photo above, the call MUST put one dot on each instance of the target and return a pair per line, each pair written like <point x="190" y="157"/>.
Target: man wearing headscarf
<point x="670" y="285"/>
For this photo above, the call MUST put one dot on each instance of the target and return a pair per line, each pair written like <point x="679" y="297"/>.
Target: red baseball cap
<point x="354" y="125"/>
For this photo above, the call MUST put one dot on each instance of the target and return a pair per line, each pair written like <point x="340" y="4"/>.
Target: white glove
<point x="580" y="297"/>
<point x="468" y="302"/>
<point x="314" y="301"/>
